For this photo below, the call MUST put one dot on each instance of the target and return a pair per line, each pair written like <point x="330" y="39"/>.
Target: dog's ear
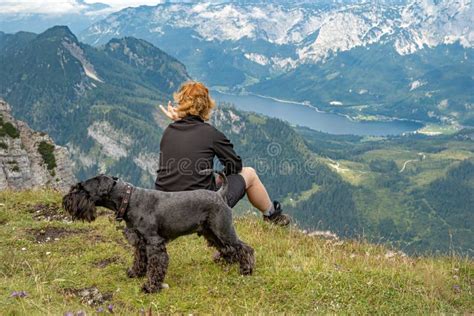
<point x="105" y="185"/>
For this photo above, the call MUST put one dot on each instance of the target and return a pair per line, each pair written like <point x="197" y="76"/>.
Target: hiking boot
<point x="277" y="217"/>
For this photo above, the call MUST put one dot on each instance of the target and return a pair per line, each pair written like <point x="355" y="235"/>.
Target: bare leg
<point x="256" y="191"/>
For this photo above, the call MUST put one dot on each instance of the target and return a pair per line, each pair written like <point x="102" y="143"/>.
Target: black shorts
<point x="236" y="189"/>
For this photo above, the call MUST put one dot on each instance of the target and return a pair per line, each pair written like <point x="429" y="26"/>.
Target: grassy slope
<point x="295" y="273"/>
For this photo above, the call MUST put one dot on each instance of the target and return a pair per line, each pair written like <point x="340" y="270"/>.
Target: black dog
<point x="153" y="218"/>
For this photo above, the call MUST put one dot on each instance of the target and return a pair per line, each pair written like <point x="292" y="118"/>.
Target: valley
<point x="375" y="143"/>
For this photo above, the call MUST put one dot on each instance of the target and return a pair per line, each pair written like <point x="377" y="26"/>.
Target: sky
<point x="58" y="7"/>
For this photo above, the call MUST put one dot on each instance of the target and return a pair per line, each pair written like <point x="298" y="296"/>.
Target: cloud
<point x="59" y="7"/>
<point x="120" y="4"/>
<point x="40" y="6"/>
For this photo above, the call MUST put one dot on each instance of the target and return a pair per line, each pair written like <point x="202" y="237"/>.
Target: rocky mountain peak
<point x="58" y="32"/>
<point x="30" y="159"/>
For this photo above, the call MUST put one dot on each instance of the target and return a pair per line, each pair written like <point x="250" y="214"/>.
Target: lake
<point x="304" y="115"/>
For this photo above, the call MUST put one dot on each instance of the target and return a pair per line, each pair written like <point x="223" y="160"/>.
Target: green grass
<point x="303" y="196"/>
<point x="295" y="273"/>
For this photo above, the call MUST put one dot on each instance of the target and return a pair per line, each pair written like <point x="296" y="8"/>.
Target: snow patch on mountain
<point x="416" y="84"/>
<point x="424" y="23"/>
<point x="257" y="58"/>
<point x="311" y="32"/>
<point x="340" y="32"/>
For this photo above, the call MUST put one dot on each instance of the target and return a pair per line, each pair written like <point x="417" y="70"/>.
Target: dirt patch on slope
<point x="105" y="262"/>
<point x="50" y="234"/>
<point x="90" y="296"/>
<point x="49" y="212"/>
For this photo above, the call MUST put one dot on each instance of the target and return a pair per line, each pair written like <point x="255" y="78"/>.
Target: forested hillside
<point x="314" y="194"/>
<point x="413" y="191"/>
<point x="97" y="101"/>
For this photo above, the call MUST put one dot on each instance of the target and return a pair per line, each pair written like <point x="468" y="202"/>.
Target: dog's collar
<point x="124" y="205"/>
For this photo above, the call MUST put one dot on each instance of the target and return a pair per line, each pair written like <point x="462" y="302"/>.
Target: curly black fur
<point x="140" y="260"/>
<point x="156" y="269"/>
<point x="79" y="204"/>
<point x="155" y="218"/>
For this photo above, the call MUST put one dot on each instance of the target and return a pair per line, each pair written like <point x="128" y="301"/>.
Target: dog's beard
<point x="79" y="206"/>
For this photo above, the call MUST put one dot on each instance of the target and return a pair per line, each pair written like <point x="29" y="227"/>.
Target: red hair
<point x="193" y="99"/>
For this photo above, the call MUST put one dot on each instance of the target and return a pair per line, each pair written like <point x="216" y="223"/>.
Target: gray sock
<point x="269" y="210"/>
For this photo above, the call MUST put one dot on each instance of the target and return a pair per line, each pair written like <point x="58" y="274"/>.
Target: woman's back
<point x="188" y="146"/>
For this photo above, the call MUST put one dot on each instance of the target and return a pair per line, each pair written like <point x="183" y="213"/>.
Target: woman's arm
<point x="226" y="154"/>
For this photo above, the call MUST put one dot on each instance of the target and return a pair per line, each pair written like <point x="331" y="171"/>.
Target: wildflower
<point x="110" y="308"/>
<point x="19" y="294"/>
<point x="100" y="310"/>
<point x="457" y="289"/>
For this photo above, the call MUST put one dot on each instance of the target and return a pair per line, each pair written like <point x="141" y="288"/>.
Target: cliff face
<point x="30" y="159"/>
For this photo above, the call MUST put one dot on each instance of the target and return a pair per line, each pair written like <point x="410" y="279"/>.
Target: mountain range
<point x="412" y="191"/>
<point x="404" y="59"/>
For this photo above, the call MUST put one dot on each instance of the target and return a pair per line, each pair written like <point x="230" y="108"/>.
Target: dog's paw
<point x="246" y="270"/>
<point x="131" y="273"/>
<point x="217" y="257"/>
<point x="147" y="288"/>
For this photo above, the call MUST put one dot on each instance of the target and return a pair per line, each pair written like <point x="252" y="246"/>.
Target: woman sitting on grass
<point x="190" y="145"/>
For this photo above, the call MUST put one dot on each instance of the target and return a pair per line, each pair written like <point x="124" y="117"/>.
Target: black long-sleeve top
<point x="188" y="146"/>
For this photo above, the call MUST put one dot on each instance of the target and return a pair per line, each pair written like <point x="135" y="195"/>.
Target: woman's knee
<point x="249" y="174"/>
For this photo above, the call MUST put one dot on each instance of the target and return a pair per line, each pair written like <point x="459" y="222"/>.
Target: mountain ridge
<point x="295" y="25"/>
<point x="248" y="46"/>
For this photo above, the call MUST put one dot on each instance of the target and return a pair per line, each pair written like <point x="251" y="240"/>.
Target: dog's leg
<point x="214" y="242"/>
<point x="232" y="249"/>
<point x="140" y="261"/>
<point x="138" y="268"/>
<point x="246" y="258"/>
<point x="157" y="264"/>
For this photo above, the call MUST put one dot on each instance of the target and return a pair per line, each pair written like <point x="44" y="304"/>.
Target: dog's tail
<point x="225" y="185"/>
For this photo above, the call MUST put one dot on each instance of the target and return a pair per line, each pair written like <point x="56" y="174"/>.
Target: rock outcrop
<point x="30" y="159"/>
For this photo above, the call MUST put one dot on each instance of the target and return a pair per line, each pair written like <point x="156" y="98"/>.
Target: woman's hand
<point x="170" y="112"/>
